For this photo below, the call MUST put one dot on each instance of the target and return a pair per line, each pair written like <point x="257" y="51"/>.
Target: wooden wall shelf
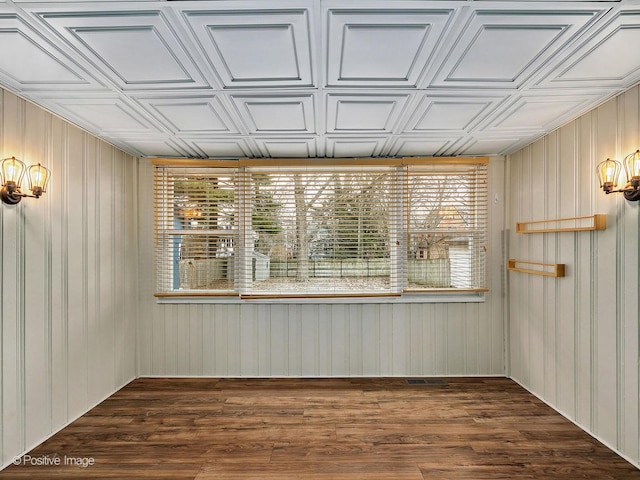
<point x="574" y="224"/>
<point x="544" y="269"/>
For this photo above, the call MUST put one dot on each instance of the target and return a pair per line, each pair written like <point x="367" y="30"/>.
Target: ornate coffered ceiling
<point x="316" y="78"/>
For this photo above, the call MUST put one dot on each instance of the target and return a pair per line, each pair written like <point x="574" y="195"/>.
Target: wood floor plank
<point x="321" y="429"/>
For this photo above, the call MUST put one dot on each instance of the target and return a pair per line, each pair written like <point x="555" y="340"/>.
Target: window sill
<point x="441" y="296"/>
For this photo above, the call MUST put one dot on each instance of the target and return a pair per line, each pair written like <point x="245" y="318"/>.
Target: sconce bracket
<point x="631" y="195"/>
<point x="10" y="198"/>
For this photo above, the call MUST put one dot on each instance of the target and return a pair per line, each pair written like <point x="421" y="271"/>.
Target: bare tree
<point x="431" y="209"/>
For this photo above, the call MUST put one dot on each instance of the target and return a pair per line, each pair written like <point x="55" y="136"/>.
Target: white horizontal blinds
<point x="303" y="230"/>
<point x="319" y="231"/>
<point x="196" y="229"/>
<point x="447" y="220"/>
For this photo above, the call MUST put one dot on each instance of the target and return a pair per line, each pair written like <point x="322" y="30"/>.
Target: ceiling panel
<point x="502" y="49"/>
<point x="223" y="148"/>
<point x="287" y="147"/>
<point x="404" y="42"/>
<point x="277" y="113"/>
<point x="143" y="147"/>
<point x="419" y="146"/>
<point x="255" y="48"/>
<point x="106" y="116"/>
<point x="539" y="113"/>
<point x="135" y="50"/>
<point x="15" y="46"/>
<point x="608" y="58"/>
<point x="312" y="78"/>
<point x="457" y="114"/>
<point x="354" y="146"/>
<point x="46" y="66"/>
<point x="185" y="115"/>
<point x="364" y="113"/>
<point x="485" y="146"/>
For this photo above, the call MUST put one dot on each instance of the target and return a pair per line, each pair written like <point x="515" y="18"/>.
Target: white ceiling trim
<point x="313" y="78"/>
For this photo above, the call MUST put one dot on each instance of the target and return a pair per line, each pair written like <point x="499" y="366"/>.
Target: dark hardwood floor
<point x="342" y="429"/>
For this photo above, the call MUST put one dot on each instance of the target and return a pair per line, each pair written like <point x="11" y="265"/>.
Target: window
<point x="446" y="226"/>
<point x="384" y="228"/>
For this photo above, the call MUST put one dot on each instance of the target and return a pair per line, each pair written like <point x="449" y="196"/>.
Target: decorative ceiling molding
<point x="134" y="50"/>
<point x="405" y="40"/>
<point x="605" y="60"/>
<point x="277" y="113"/>
<point x="313" y="78"/>
<point x="255" y="48"/>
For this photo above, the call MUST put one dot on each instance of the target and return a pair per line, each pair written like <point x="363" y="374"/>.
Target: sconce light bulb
<point x="609" y="172"/>
<point x="11" y="172"/>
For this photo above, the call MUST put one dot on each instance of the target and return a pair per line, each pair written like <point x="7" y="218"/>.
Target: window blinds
<point x="196" y="229"/>
<point x="447" y="221"/>
<point x="320" y="231"/>
<point x="296" y="230"/>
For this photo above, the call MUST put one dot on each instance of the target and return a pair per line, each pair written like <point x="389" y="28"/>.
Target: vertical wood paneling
<point x="12" y="315"/>
<point x="308" y="350"/>
<point x="145" y="333"/>
<point x="196" y="345"/>
<point x="58" y="161"/>
<point x="401" y="335"/>
<point x="441" y="314"/>
<point x="234" y="340"/>
<point x="429" y="340"/>
<point x="493" y="339"/>
<point x="76" y="279"/>
<point x="629" y="435"/>
<point x="293" y="337"/>
<point x="325" y="346"/>
<point x="535" y="323"/>
<point x="209" y="342"/>
<point x="36" y="305"/>
<point x="182" y="341"/>
<point x="519" y="284"/>
<point x="416" y="339"/>
<point x="339" y="340"/>
<point x="261" y="338"/>
<point x="355" y="345"/>
<point x="92" y="267"/>
<point x="456" y="342"/>
<point x="472" y="337"/>
<point x="566" y="361"/>
<point x="584" y="271"/>
<point x="581" y="330"/>
<point x="68" y="282"/>
<point x="171" y="338"/>
<point x="606" y="314"/>
<point x="550" y="247"/>
<point x="249" y="340"/>
<point x="278" y="342"/>
<point x="386" y="340"/>
<point x="370" y="339"/>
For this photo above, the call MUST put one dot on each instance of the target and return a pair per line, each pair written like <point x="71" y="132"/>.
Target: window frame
<point x="399" y="255"/>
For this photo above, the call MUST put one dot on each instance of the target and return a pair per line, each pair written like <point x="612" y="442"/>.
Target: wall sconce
<point x="609" y="173"/>
<point x="11" y="172"/>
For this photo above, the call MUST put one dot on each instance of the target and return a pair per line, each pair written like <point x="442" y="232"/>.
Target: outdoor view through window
<point x="305" y="231"/>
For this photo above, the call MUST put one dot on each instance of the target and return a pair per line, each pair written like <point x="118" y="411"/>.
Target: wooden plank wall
<point x="68" y="278"/>
<point x="279" y="340"/>
<point x="573" y="341"/>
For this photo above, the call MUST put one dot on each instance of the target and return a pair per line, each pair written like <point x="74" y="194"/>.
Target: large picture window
<point x="294" y="230"/>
